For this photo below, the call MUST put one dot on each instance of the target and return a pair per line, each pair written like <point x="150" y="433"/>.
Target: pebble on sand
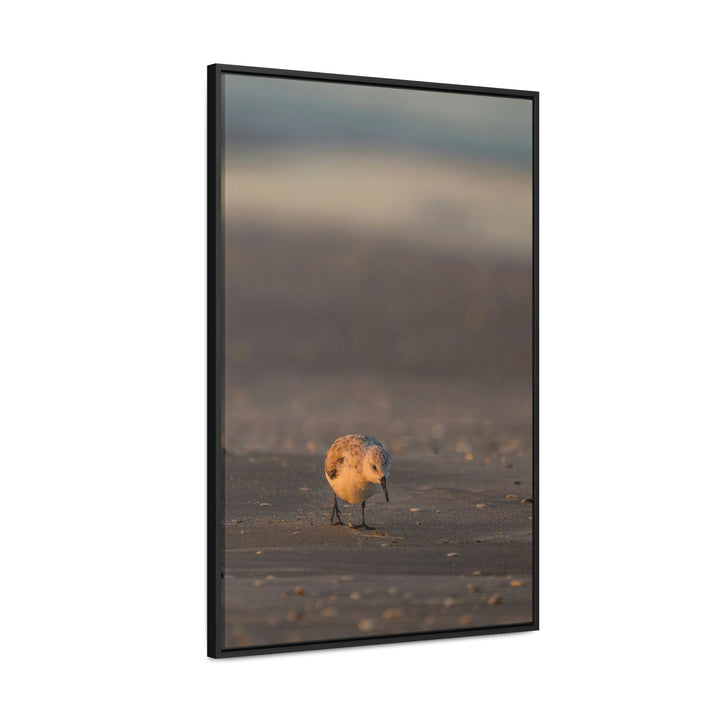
<point x="392" y="613"/>
<point x="366" y="625"/>
<point x="516" y="583"/>
<point x="415" y="510"/>
<point x="299" y="591"/>
<point x="494" y="600"/>
<point x="453" y="555"/>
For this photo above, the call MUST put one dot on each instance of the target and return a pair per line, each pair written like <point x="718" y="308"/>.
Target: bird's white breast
<point x="351" y="486"/>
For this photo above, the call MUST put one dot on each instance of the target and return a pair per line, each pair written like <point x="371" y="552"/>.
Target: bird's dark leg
<point x="336" y="511"/>
<point x="362" y="525"/>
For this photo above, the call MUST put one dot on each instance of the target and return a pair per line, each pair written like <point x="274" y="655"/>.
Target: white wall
<point x="102" y="386"/>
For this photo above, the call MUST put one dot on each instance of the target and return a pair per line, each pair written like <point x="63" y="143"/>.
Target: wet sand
<point x="452" y="549"/>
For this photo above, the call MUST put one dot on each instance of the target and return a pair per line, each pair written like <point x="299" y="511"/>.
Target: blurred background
<point x="378" y="268"/>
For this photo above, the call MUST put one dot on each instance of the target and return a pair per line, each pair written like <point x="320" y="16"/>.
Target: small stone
<point x="304" y="489"/>
<point x="525" y="501"/>
<point x="366" y="625"/>
<point x="265" y="505"/>
<point x="494" y="600"/>
<point x="354" y="595"/>
<point x="415" y="510"/>
<point x="311" y="445"/>
<point x="510" y="496"/>
<point x="293" y="616"/>
<point x="453" y="555"/>
<point x="516" y="583"/>
<point x="472" y="587"/>
<point x="448" y="602"/>
<point x="392" y="613"/>
<point x="480" y="505"/>
<point x="259" y="552"/>
<point x="468" y="456"/>
<point x="257" y="583"/>
<point x="465" y="620"/>
<point x="299" y="591"/>
<point x="269" y="577"/>
<point x="329" y="612"/>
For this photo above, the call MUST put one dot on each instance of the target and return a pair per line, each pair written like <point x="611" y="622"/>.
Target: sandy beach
<point x="421" y="338"/>
<point x="452" y="549"/>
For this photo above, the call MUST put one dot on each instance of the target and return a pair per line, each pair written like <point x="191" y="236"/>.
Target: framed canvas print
<point x="373" y="360"/>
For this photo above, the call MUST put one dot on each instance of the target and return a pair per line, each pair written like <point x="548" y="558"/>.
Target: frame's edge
<point x="378" y="640"/>
<point x="367" y="80"/>
<point x="536" y="355"/>
<point x="213" y="596"/>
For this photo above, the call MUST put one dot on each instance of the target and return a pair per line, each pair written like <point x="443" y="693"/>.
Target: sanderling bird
<point x="356" y="467"/>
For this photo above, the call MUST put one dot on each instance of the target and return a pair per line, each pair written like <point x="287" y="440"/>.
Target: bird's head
<point x="377" y="467"/>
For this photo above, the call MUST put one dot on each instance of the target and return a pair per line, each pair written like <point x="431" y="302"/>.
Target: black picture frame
<point x="215" y="346"/>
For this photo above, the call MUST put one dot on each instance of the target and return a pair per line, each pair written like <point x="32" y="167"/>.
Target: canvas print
<point x="374" y="456"/>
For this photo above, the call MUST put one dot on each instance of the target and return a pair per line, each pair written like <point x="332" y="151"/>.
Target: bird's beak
<point x="384" y="486"/>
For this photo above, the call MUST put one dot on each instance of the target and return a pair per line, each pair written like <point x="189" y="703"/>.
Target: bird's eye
<point x="374" y="467"/>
